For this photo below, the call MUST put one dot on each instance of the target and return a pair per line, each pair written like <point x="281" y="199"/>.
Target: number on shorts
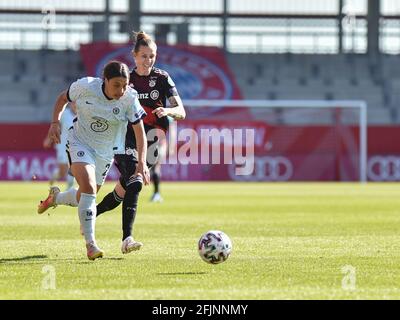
<point x="107" y="168"/>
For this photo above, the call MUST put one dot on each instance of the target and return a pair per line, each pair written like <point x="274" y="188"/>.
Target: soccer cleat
<point x="50" y="200"/>
<point x="129" y="245"/>
<point x="156" y="197"/>
<point x="93" y="251"/>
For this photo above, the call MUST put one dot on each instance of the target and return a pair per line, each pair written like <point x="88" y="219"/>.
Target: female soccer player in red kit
<point x="154" y="87"/>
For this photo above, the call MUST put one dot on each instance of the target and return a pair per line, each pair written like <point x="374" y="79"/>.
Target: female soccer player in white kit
<point x="104" y="107"/>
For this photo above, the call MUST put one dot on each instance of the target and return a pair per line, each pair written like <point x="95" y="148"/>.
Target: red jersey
<point x="153" y="91"/>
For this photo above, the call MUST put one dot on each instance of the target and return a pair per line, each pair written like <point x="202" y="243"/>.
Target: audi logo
<point x="384" y="168"/>
<point x="266" y="169"/>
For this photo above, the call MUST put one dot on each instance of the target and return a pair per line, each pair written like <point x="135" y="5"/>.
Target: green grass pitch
<point x="290" y="241"/>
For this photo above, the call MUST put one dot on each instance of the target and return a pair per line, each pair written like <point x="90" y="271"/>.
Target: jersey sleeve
<point x="135" y="111"/>
<point x="170" y="86"/>
<point x="78" y="89"/>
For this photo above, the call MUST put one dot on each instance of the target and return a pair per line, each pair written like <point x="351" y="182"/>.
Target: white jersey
<point x="101" y="123"/>
<point x="66" y="122"/>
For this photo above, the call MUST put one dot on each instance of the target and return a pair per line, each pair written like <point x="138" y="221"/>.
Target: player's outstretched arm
<point x="175" y="111"/>
<point x="54" y="132"/>
<point x="141" y="144"/>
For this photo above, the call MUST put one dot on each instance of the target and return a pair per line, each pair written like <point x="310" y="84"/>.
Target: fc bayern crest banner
<point x="199" y="72"/>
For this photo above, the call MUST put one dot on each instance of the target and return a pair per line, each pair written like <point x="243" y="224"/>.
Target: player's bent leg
<point x="55" y="198"/>
<point x="120" y="190"/>
<point x="50" y="201"/>
<point x="134" y="184"/>
<point x="68" y="198"/>
<point x="111" y="200"/>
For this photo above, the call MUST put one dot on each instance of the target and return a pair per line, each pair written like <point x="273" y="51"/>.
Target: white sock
<point x="67" y="198"/>
<point x="87" y="215"/>
<point x="70" y="181"/>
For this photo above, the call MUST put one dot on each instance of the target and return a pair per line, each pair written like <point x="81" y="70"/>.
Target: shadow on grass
<point x="86" y="261"/>
<point x="180" y="273"/>
<point x="34" y="259"/>
<point x="23" y="258"/>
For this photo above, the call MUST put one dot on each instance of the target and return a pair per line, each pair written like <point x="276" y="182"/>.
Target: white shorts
<point x="61" y="153"/>
<point x="78" y="152"/>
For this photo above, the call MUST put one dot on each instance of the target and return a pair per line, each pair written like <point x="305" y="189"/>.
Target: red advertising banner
<point x="199" y="72"/>
<point x="22" y="136"/>
<point x="281" y="153"/>
<point x="39" y="166"/>
<point x="32" y="165"/>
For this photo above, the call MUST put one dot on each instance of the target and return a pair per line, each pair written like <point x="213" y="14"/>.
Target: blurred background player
<point x="155" y="170"/>
<point x="104" y="107"/>
<point x="154" y="86"/>
<point x="61" y="171"/>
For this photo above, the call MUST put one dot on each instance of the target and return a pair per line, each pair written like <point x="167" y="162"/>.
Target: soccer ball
<point x="215" y="247"/>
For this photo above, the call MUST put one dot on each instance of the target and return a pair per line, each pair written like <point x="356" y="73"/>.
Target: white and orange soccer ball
<point x="215" y="247"/>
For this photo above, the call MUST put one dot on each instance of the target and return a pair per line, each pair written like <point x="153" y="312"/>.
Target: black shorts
<point x="127" y="163"/>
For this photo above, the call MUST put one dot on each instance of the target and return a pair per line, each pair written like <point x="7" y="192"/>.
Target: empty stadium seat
<point x="33" y="79"/>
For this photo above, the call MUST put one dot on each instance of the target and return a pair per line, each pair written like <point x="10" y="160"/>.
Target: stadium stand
<point x="30" y="85"/>
<point x="321" y="77"/>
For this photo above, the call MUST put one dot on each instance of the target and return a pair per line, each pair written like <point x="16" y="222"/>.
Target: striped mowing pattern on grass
<point x="290" y="241"/>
